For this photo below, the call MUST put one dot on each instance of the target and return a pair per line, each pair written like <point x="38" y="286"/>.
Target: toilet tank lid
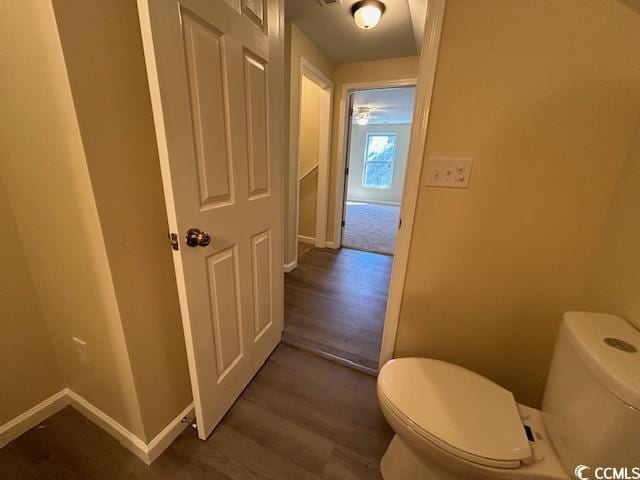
<point x="610" y="348"/>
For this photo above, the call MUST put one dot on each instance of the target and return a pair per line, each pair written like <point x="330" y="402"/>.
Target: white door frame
<point x="307" y="69"/>
<point x="413" y="173"/>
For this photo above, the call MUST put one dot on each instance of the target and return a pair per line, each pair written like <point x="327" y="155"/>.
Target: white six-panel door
<point x="216" y="74"/>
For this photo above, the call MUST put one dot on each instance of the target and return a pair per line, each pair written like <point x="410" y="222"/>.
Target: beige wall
<point x="29" y="371"/>
<point x="308" y="157"/>
<point x="613" y="285"/>
<point x="309" y="126"/>
<point x="345" y="73"/>
<point x="85" y="189"/>
<point x="545" y="98"/>
<point x="44" y="172"/>
<point x="103" y="53"/>
<point x="357" y="147"/>
<point x="307" y="203"/>
<point x="298" y="46"/>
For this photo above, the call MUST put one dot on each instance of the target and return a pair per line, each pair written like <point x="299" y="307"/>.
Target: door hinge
<point x="343" y="223"/>
<point x="173" y="238"/>
<point x="399" y="223"/>
<point x="191" y="421"/>
<point x="346" y="171"/>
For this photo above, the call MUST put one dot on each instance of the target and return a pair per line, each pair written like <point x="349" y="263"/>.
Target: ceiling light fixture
<point x="367" y="13"/>
<point x="363" y="116"/>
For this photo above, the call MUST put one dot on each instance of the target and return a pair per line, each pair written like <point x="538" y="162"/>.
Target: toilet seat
<point x="458" y="410"/>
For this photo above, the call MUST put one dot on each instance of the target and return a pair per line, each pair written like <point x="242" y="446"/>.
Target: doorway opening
<point x="312" y="158"/>
<point x="336" y="298"/>
<point x="378" y="137"/>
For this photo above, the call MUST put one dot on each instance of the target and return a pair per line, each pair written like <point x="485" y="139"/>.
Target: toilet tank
<point x="591" y="405"/>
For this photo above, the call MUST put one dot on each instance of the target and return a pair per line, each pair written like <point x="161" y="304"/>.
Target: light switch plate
<point x="82" y="353"/>
<point x="452" y="172"/>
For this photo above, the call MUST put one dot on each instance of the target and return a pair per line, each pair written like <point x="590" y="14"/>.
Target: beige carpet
<point x="371" y="227"/>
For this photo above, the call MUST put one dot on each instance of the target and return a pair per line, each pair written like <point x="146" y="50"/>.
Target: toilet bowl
<point x="453" y="424"/>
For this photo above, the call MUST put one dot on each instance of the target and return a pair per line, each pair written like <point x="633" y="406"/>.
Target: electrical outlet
<point x="452" y="172"/>
<point x="82" y="353"/>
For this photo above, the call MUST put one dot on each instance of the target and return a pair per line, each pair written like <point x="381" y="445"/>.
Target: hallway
<point x="335" y="303"/>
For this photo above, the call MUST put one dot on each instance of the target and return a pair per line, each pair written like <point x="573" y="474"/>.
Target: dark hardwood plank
<point x="330" y="352"/>
<point x="302" y="417"/>
<point x="345" y="465"/>
<point x="335" y="302"/>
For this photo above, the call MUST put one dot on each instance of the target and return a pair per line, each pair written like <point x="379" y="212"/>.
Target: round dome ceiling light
<point x="367" y="13"/>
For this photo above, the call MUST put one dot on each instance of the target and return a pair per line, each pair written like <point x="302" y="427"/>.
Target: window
<point x="379" y="155"/>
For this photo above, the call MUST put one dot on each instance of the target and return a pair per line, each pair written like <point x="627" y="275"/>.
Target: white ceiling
<point x="332" y="29"/>
<point x="388" y="105"/>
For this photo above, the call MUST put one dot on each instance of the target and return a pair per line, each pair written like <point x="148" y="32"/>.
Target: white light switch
<point x="453" y="172"/>
<point x="82" y="352"/>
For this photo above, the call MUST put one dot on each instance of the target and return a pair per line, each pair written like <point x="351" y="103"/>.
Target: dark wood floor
<point x="302" y="417"/>
<point x="335" y="303"/>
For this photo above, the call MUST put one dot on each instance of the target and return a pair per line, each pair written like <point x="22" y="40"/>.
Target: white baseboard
<point x="289" y="267"/>
<point x="32" y="417"/>
<point x="128" y="440"/>
<point x="166" y="437"/>
<point x="147" y="452"/>
<point x="377" y="202"/>
<point x="305" y="239"/>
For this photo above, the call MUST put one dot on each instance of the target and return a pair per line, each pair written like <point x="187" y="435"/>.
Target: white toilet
<point x="452" y="423"/>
